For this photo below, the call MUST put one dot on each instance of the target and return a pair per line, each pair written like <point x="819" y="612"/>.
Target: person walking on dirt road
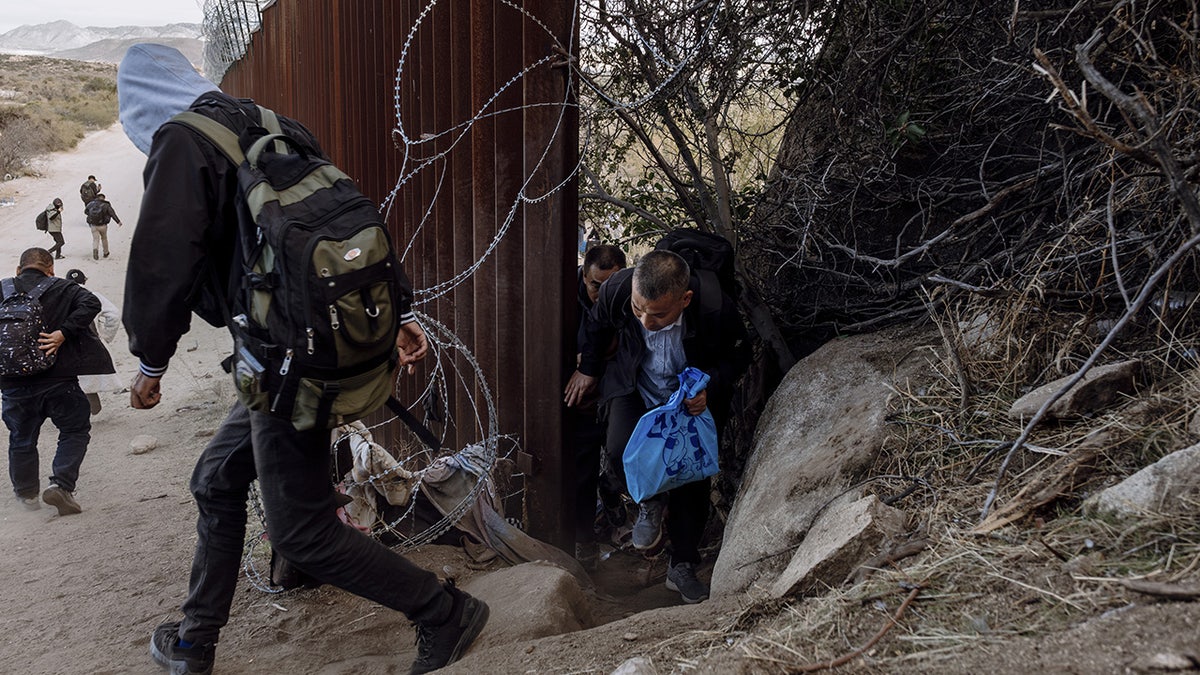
<point x="180" y="256"/>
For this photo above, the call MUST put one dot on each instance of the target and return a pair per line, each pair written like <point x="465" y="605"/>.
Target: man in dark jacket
<point x="68" y="312"/>
<point x="587" y="435"/>
<point x="89" y="190"/>
<point x="181" y="256"/>
<point x="664" y="320"/>
<point x="99" y="213"/>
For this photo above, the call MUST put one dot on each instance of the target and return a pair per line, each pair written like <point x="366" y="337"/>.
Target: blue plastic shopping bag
<point x="669" y="447"/>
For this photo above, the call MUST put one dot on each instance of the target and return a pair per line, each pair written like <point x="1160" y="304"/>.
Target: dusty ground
<point x="82" y="593"/>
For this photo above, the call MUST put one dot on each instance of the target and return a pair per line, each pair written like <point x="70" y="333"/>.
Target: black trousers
<point x="56" y="249"/>
<point x="292" y="468"/>
<point x="687" y="505"/>
<point x="592" y="479"/>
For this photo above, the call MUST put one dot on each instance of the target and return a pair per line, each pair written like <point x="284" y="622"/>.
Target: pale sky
<point x="100" y="13"/>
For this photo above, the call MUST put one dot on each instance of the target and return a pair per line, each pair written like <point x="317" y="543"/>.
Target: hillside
<point x="63" y="39"/>
<point x="48" y="105"/>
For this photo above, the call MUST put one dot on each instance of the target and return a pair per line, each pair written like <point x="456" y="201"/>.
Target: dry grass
<point x="1054" y="567"/>
<point x="50" y="104"/>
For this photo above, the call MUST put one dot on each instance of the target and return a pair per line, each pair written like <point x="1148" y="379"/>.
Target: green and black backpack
<point x="315" y="312"/>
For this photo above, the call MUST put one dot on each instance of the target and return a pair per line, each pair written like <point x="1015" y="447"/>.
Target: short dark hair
<point x="36" y="257"/>
<point x="91" y="177"/>
<point x="659" y="273"/>
<point x="605" y="257"/>
<point x="100" y="195"/>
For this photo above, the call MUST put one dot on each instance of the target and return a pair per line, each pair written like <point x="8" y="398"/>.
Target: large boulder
<point x="530" y="601"/>
<point x="820" y="432"/>
<point x="1162" y="487"/>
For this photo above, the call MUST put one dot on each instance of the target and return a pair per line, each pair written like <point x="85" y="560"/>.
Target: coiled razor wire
<point x="228" y="27"/>
<point x="444" y="348"/>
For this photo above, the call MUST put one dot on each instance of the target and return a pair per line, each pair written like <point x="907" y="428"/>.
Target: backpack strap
<point x="270" y="121"/>
<point x="711" y="294"/>
<point x="41" y="287"/>
<point x="224" y="138"/>
<point x="419" y="429"/>
<point x="219" y="134"/>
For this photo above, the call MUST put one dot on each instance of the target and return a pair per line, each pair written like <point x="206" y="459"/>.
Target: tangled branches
<point x="951" y="149"/>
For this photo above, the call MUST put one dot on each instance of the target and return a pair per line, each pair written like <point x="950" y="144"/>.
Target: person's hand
<point x="578" y="387"/>
<point x="697" y="403"/>
<point x="412" y="344"/>
<point x="144" y="392"/>
<point x="50" y="342"/>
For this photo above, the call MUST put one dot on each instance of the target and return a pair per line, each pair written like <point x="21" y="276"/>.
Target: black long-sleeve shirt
<point x="70" y="308"/>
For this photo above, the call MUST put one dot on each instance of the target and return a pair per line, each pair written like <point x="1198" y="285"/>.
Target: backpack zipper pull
<point x="333" y="318"/>
<point x="287" y="363"/>
<point x="309" y="333"/>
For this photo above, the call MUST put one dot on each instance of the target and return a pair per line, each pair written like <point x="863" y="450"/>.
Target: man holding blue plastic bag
<point x="667" y="323"/>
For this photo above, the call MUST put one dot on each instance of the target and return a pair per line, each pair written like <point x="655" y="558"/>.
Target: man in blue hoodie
<point x="181" y="253"/>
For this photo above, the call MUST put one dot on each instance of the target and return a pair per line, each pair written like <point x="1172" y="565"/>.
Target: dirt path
<point x="82" y="593"/>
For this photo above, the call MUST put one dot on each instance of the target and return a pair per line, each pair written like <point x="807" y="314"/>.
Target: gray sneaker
<point x="61" y="500"/>
<point x="682" y="578"/>
<point x="30" y="503"/>
<point x="647" y="530"/>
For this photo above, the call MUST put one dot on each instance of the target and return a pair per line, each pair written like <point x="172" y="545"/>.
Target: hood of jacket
<point x="155" y="83"/>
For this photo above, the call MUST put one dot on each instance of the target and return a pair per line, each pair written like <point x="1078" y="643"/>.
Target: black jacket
<point x="71" y="308"/>
<point x="714" y="340"/>
<point x="182" y="255"/>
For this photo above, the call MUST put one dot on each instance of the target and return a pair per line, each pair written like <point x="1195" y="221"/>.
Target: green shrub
<point x="56" y="103"/>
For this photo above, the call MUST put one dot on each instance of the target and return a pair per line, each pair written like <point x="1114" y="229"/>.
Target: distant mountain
<point x="63" y="39"/>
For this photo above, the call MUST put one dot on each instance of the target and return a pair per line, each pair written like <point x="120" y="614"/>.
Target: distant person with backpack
<point x="664" y="318"/>
<point x="53" y="317"/>
<point x="54" y="227"/>
<point x="99" y="214"/>
<point x="182" y="259"/>
<point x="89" y="190"/>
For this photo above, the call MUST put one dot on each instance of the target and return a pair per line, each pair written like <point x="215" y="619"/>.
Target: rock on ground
<point x="820" y="432"/>
<point x="1158" y="488"/>
<point x="530" y="601"/>
<point x="1100" y="388"/>
<point x="846" y="533"/>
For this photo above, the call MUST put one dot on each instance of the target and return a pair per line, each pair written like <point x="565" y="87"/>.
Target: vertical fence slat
<point x="332" y="65"/>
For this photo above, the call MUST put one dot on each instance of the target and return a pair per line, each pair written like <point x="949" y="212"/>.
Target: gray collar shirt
<point x="658" y="376"/>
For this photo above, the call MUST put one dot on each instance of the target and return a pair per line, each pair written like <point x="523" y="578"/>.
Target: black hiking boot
<point x="441" y="645"/>
<point x="166" y="652"/>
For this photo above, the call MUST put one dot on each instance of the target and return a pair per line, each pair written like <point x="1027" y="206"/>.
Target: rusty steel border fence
<point x="474" y="134"/>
